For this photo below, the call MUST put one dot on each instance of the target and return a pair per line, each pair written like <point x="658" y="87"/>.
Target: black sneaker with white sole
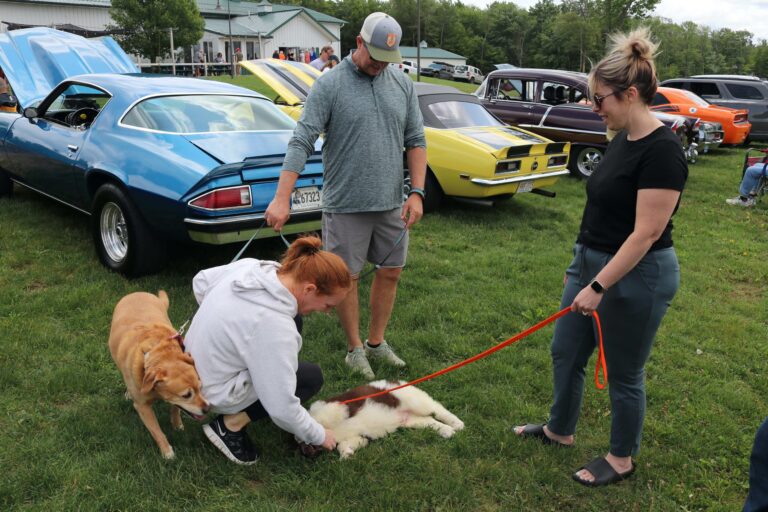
<point x="237" y="446"/>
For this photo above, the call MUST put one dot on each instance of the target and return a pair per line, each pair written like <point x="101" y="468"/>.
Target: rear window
<point x="461" y="114"/>
<point x="659" y="99"/>
<point x="744" y="92"/>
<point x="460" y="69"/>
<point x="705" y="89"/>
<point x="207" y="114"/>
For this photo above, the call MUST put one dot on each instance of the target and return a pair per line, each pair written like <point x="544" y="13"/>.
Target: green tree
<point x="146" y="25"/>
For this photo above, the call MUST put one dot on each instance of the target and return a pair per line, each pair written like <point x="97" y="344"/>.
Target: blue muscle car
<point x="151" y="159"/>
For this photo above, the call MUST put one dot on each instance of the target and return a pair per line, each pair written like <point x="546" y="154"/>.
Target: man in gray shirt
<point x="369" y="113"/>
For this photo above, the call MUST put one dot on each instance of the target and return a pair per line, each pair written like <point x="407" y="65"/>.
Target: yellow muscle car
<point x="471" y="155"/>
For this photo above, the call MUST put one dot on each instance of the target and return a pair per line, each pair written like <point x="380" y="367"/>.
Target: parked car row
<point x="556" y="104"/>
<point x="460" y="73"/>
<point x="156" y="159"/>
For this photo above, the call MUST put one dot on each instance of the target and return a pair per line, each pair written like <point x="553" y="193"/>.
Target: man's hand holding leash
<point x="279" y="210"/>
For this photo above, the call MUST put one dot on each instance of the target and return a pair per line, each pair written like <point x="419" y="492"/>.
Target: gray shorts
<point x="366" y="236"/>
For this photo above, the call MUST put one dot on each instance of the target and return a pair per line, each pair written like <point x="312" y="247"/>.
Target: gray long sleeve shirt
<point x="367" y="122"/>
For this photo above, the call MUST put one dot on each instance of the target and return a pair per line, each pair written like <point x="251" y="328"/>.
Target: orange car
<point x="685" y="103"/>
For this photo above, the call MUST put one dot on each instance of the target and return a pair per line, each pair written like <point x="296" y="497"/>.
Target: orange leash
<point x="600" y="365"/>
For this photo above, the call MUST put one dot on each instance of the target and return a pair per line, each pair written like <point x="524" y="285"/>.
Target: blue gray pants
<point x="757" y="499"/>
<point x="751" y="178"/>
<point x="630" y="313"/>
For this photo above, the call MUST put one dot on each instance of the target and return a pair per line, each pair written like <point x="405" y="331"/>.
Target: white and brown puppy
<point x="357" y="422"/>
<point x="154" y="366"/>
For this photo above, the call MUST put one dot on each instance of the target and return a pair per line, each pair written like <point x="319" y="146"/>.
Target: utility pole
<point x="173" y="55"/>
<point x="231" y="46"/>
<point x="418" y="40"/>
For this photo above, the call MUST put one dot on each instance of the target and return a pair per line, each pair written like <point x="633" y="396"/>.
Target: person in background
<point x="332" y="62"/>
<point x="275" y="54"/>
<point x="368" y="113"/>
<point x="624" y="265"/>
<point x="245" y="339"/>
<point x="8" y="102"/>
<point x="281" y="55"/>
<point x="749" y="183"/>
<point x="322" y="59"/>
<point x="238" y="60"/>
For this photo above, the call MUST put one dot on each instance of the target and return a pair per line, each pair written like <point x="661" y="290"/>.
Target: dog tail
<point x="163" y="298"/>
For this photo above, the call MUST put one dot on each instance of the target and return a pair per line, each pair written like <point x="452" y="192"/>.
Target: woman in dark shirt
<point x="624" y="264"/>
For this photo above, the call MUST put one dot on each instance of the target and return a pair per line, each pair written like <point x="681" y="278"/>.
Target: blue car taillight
<point x="224" y="199"/>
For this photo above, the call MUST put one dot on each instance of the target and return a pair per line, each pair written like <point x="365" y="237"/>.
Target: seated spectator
<point x="749" y="185"/>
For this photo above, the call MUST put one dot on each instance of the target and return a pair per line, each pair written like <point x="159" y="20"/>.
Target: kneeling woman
<point x="245" y="343"/>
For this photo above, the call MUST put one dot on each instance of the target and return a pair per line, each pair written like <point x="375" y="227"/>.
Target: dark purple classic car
<point x="555" y="104"/>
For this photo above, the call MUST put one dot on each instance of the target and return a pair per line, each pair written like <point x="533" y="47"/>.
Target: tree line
<point x="569" y="35"/>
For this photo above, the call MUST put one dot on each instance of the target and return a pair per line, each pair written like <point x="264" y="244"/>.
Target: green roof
<point x="238" y="8"/>
<point x="79" y="3"/>
<point x="409" y="52"/>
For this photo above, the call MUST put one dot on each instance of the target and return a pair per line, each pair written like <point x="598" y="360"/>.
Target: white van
<point x="467" y="74"/>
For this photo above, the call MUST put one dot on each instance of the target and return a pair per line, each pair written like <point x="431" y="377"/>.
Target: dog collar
<point x="178" y="338"/>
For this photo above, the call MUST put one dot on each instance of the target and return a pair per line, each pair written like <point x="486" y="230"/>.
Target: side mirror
<point x="30" y="112"/>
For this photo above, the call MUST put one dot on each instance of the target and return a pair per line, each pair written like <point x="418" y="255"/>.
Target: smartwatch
<point x="419" y="191"/>
<point x="595" y="285"/>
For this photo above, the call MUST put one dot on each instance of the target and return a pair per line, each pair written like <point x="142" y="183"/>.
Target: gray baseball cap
<point x="381" y="35"/>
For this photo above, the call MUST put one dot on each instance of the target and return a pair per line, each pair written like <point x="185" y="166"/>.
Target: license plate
<point x="306" y="198"/>
<point x="525" y="186"/>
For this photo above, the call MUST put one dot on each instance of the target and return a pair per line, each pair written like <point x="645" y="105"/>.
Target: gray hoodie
<point x="246" y="346"/>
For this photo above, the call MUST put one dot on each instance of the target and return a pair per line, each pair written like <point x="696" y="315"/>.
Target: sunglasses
<point x="598" y="100"/>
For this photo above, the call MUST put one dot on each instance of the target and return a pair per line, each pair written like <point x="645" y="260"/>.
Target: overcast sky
<point x="751" y="15"/>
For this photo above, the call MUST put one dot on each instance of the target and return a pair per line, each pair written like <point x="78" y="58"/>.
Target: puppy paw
<point x="457" y="425"/>
<point x="446" y="431"/>
<point x="180" y="425"/>
<point x="346" y="452"/>
<point x="169" y="454"/>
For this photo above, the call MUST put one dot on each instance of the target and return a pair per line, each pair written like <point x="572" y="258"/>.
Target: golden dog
<point x="154" y="366"/>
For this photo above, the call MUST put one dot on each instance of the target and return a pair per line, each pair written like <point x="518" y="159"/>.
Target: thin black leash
<point x="376" y="267"/>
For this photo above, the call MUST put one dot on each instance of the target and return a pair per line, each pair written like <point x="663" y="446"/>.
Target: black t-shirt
<point x="655" y="161"/>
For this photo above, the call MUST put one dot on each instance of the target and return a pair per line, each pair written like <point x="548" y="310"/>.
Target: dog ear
<point x="151" y="378"/>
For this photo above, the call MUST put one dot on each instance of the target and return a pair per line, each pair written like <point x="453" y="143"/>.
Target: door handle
<point x="72" y="147"/>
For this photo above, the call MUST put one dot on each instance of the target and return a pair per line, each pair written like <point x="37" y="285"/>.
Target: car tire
<point x="124" y="242"/>
<point x="433" y="192"/>
<point x="472" y="80"/>
<point x="584" y="159"/>
<point x="6" y="185"/>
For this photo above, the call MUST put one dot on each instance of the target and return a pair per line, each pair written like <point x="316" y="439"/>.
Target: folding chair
<point x="751" y="159"/>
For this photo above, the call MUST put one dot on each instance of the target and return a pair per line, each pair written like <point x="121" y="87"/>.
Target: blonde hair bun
<point x="637" y="44"/>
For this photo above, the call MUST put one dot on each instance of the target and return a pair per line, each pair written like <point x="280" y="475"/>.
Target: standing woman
<point x="245" y="340"/>
<point x="624" y="265"/>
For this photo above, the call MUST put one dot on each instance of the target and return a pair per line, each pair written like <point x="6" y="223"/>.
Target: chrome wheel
<point x="587" y="161"/>
<point x="114" y="232"/>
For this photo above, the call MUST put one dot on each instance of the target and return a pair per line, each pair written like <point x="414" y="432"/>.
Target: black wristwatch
<point x="595" y="285"/>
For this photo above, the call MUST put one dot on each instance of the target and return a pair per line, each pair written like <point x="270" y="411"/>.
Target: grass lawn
<point x="476" y="276"/>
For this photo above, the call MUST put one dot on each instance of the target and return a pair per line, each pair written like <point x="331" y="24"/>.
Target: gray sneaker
<point x="385" y="353"/>
<point x="358" y="361"/>
<point x="741" y="201"/>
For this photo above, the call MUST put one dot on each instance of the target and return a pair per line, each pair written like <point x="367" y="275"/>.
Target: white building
<point x="257" y="28"/>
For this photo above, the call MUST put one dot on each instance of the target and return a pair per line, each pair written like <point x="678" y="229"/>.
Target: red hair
<point x="306" y="262"/>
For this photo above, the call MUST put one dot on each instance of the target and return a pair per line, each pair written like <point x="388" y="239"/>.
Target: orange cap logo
<point x="391" y="39"/>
